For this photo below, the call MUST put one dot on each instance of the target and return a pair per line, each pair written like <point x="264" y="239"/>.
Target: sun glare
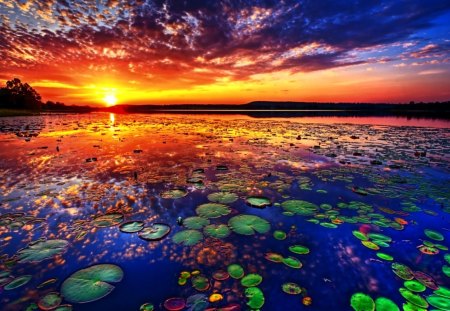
<point x="110" y="99"/>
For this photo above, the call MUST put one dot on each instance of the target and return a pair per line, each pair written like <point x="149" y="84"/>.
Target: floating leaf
<point x="155" y="232"/>
<point x="299" y="249"/>
<point x="414" y="286"/>
<point x="251" y="280"/>
<point x="385" y="304"/>
<point x="439" y="302"/>
<point x="222" y="197"/>
<point x="217" y="231"/>
<point x="147" y="307"/>
<point x="292" y="262"/>
<point x="291" y="288"/>
<point x="255" y="297"/>
<point x="108" y="220"/>
<point x="174" y="194"/>
<point x="200" y="283"/>
<point x="258" y="201"/>
<point x="40" y="250"/>
<point x="362" y="302"/>
<point x="91" y="283"/>
<point x="195" y="222"/>
<point x="413" y="298"/>
<point x="212" y="210"/>
<point x="434" y="235"/>
<point x="188" y="237"/>
<point x="50" y="301"/>
<point x="248" y="224"/>
<point x="235" y="271"/>
<point x="18" y="282"/>
<point x="299" y="207"/>
<point x="279" y="235"/>
<point x="174" y="304"/>
<point x="132" y="226"/>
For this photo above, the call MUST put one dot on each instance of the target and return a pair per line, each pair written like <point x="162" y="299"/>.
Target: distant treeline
<point x="21" y="96"/>
<point x="268" y="108"/>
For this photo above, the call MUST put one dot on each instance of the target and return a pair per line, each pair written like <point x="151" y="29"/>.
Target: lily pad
<point x="17" y="282"/>
<point x="217" y="231"/>
<point x="222" y="197"/>
<point x="299" y="249"/>
<point x="147" y="307"/>
<point x="300" y="207"/>
<point x="131" y="226"/>
<point x="174" y="194"/>
<point x="434" y="235"/>
<point x="212" y="210"/>
<point x="188" y="237"/>
<point x="439" y="302"/>
<point x="255" y="297"/>
<point x="274" y="257"/>
<point x="292" y="262"/>
<point x="291" y="288"/>
<point x="279" y="235"/>
<point x="384" y="256"/>
<point x="108" y="220"/>
<point x="174" y="304"/>
<point x="414" y="286"/>
<point x="248" y="224"/>
<point x="235" y="271"/>
<point x="200" y="283"/>
<point x="40" y="250"/>
<point x="195" y="222"/>
<point x="251" y="280"/>
<point x="258" y="201"/>
<point x="91" y="284"/>
<point x="50" y="301"/>
<point x="362" y="302"/>
<point x="413" y="298"/>
<point x="385" y="304"/>
<point x="155" y="232"/>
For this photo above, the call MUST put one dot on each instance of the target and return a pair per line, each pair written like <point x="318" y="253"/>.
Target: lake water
<point x="264" y="213"/>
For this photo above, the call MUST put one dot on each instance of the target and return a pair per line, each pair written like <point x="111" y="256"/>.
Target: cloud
<point x="198" y="42"/>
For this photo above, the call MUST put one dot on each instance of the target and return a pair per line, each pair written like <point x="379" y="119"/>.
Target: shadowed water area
<point x="208" y="212"/>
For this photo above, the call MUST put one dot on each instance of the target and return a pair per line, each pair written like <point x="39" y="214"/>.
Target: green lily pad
<point x="195" y="222"/>
<point x="274" y="257"/>
<point x="329" y="225"/>
<point x="91" y="284"/>
<point x="40" y="250"/>
<point x="414" y="286"/>
<point x="147" y="307"/>
<point x="174" y="194"/>
<point x="50" y="301"/>
<point x="212" y="210"/>
<point x="385" y="256"/>
<point x="300" y="207"/>
<point x="63" y="308"/>
<point x="385" y="304"/>
<point x="258" y="201"/>
<point x="279" y="235"/>
<point x="413" y="298"/>
<point x="434" y="235"/>
<point x="360" y="235"/>
<point x="108" y="220"/>
<point x="291" y="288"/>
<point x="235" y="271"/>
<point x="200" y="283"/>
<point x="251" y="280"/>
<point x="248" y="224"/>
<point x="222" y="197"/>
<point x="17" y="282"/>
<point x="442" y="291"/>
<point x="446" y="270"/>
<point x="187" y="237"/>
<point x="155" y="232"/>
<point x="299" y="249"/>
<point x="362" y="302"/>
<point x="292" y="262"/>
<point x="402" y="271"/>
<point x="380" y="237"/>
<point x="255" y="298"/>
<point x="439" y="302"/>
<point x="131" y="226"/>
<point x="217" y="231"/>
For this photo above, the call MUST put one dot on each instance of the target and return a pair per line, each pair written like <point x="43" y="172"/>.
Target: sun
<point x="110" y="99"/>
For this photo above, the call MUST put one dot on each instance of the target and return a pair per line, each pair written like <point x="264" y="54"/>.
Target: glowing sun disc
<point x="110" y="99"/>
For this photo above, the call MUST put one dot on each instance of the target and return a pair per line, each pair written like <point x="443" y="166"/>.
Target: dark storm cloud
<point x="232" y="38"/>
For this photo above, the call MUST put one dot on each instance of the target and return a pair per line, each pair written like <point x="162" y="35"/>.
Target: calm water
<point x="368" y="198"/>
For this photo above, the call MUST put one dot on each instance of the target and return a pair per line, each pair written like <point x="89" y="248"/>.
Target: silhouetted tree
<point x="18" y="95"/>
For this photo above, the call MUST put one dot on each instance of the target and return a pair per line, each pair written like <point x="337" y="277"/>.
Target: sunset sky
<point x="191" y="51"/>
